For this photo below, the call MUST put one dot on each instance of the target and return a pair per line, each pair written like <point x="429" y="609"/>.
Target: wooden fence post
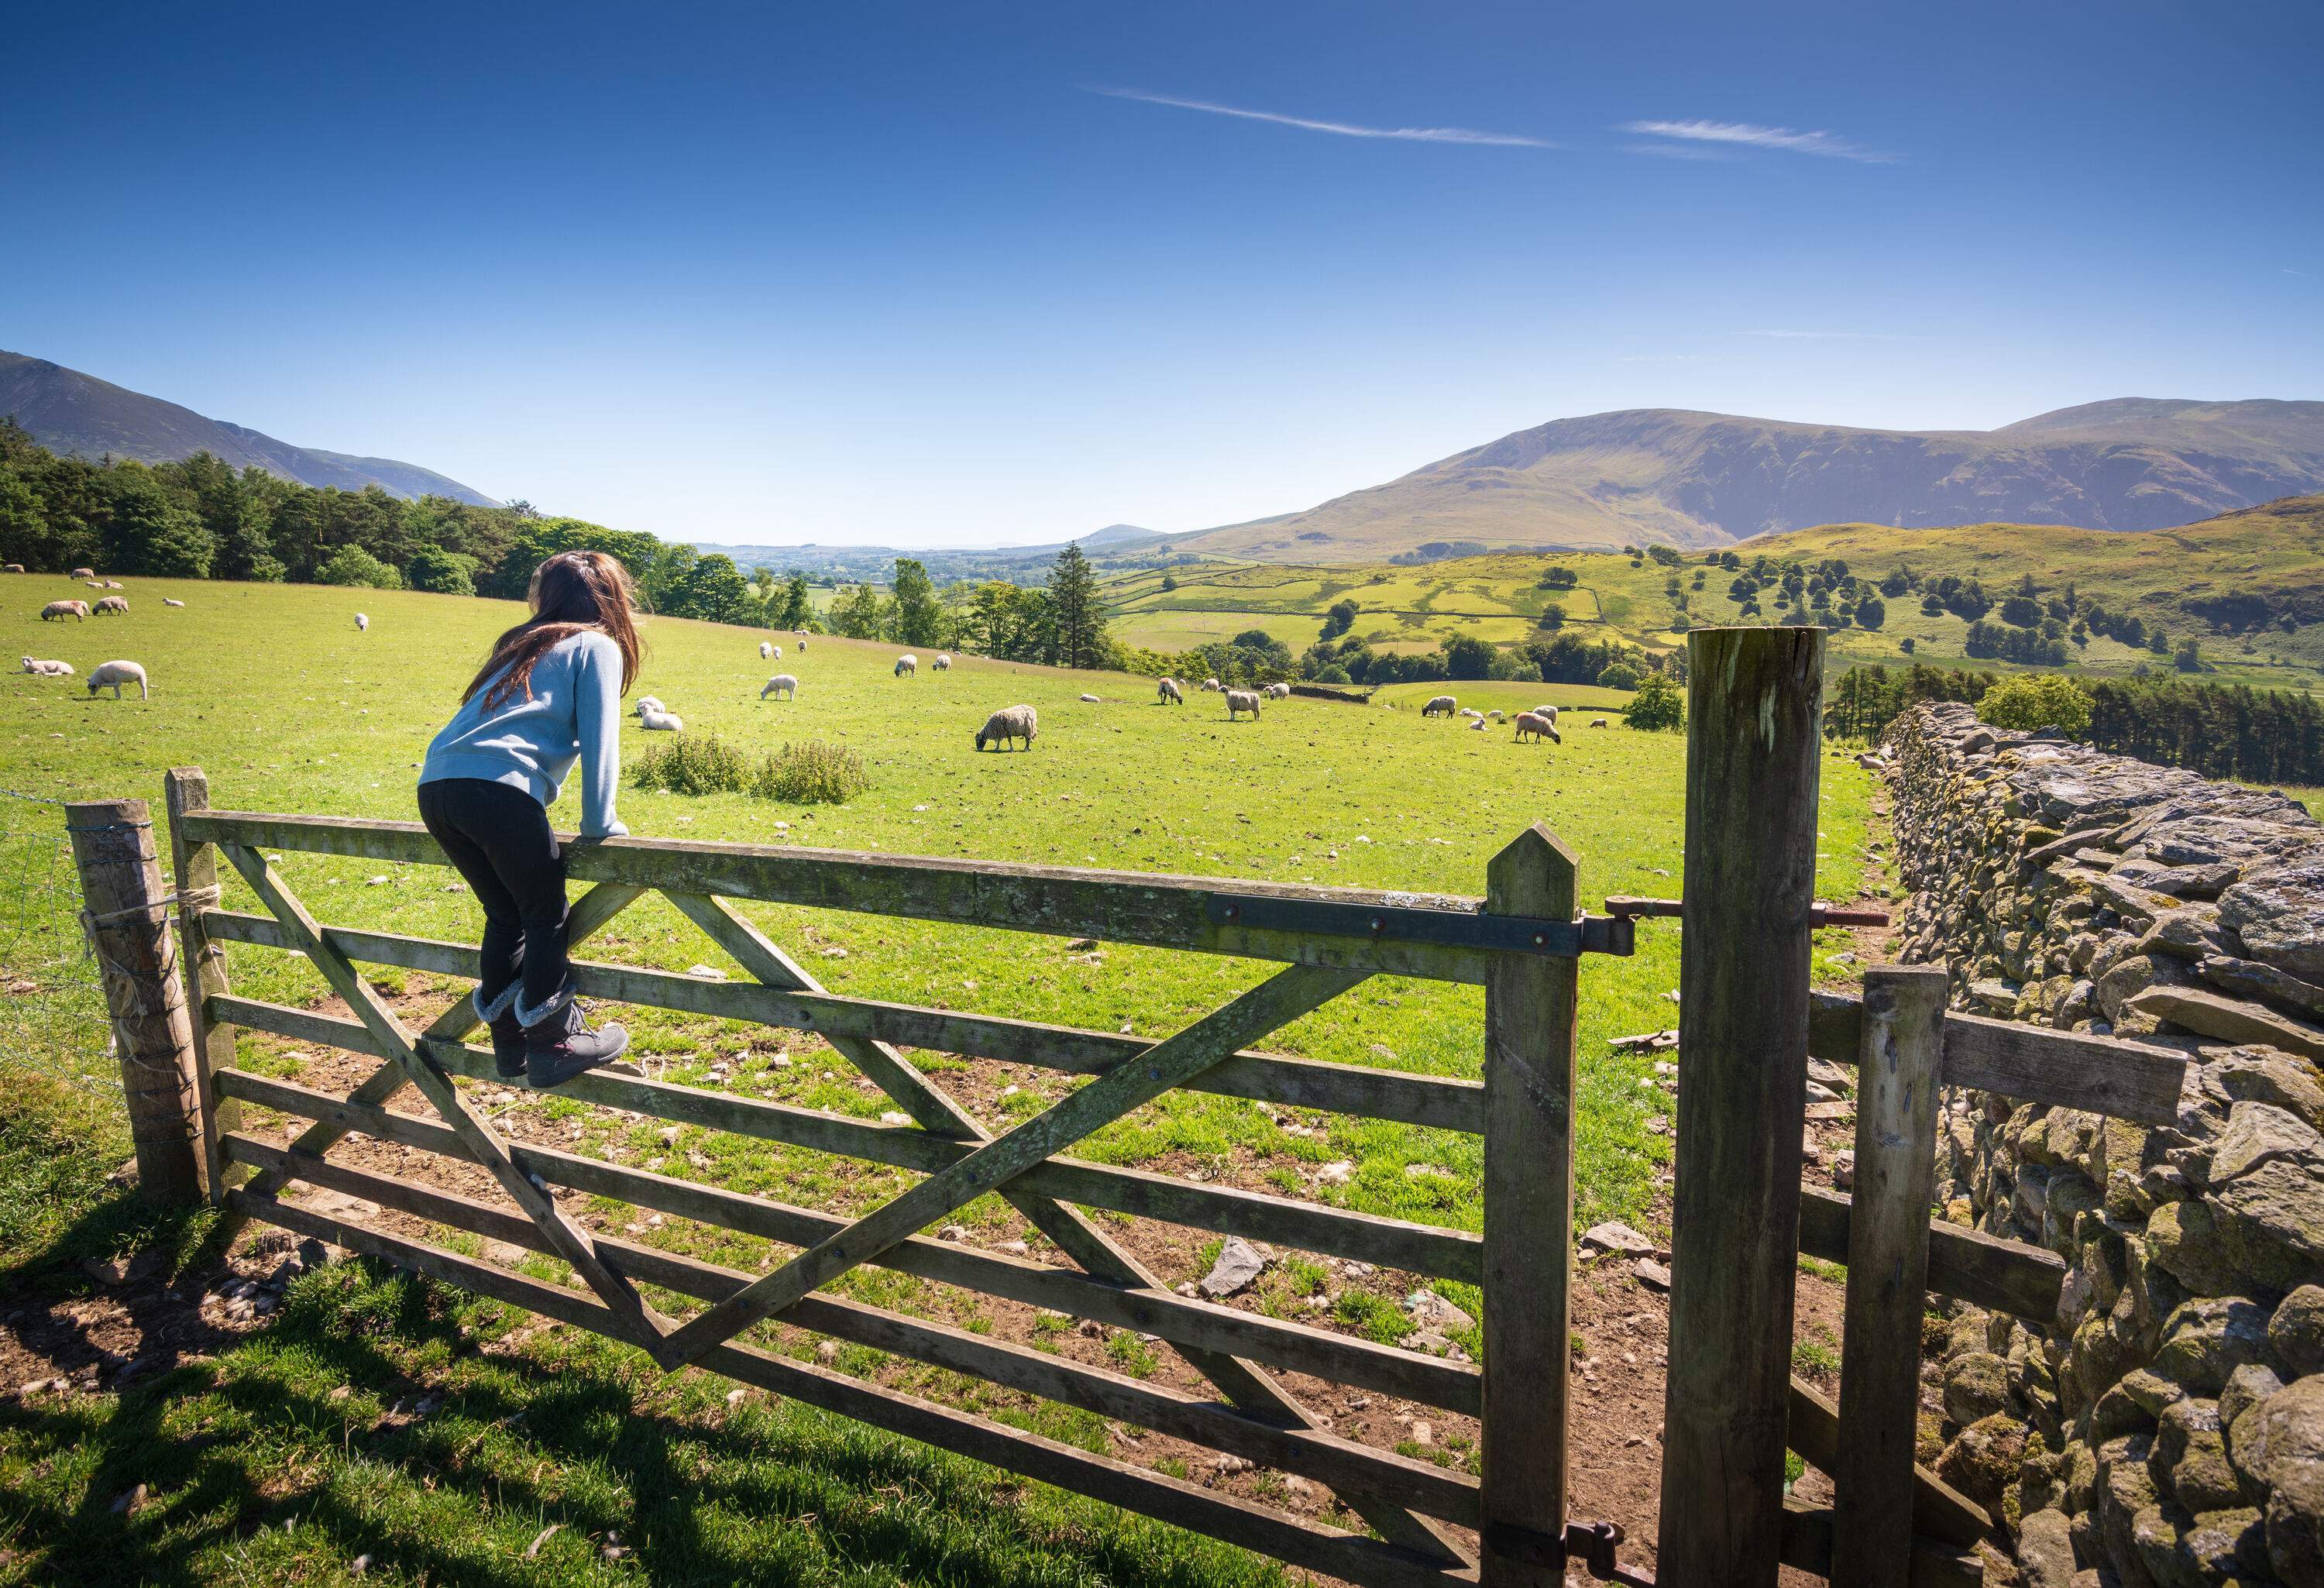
<point x="125" y="911"/>
<point x="1753" y="708"/>
<point x="1530" y="1007"/>
<point x="195" y="866"/>
<point x="1901" y="1050"/>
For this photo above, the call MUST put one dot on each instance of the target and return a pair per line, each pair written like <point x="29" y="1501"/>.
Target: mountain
<point x="71" y="413"/>
<point x="1116" y="545"/>
<point x="1691" y="479"/>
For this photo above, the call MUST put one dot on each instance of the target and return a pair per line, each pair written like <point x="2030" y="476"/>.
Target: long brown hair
<point x="572" y="593"/>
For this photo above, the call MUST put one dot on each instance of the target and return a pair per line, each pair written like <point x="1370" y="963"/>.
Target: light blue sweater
<point x="575" y="714"/>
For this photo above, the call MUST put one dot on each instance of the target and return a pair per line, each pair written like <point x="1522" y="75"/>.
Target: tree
<point x="447" y="573"/>
<point x="1074" y="610"/>
<point x="919" y="615"/>
<point x="2028" y="701"/>
<point x="1620" y="675"/>
<point x="792" y="608"/>
<point x="1339" y="619"/>
<point x="1468" y="657"/>
<point x="352" y="565"/>
<point x="860" y="613"/>
<point x="2189" y="658"/>
<point x="1552" y="618"/>
<point x="1871" y="613"/>
<point x="148" y="532"/>
<point x="1558" y="578"/>
<point x="1658" y="705"/>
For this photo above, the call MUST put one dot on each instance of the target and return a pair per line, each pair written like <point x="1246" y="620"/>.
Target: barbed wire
<point x="53" y="1018"/>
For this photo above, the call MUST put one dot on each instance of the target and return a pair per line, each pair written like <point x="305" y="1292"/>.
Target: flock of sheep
<point x="112" y="675"/>
<point x="1541" y="722"/>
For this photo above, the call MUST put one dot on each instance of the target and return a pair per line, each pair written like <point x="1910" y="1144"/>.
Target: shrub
<point x="1658" y="705"/>
<point x="1620" y="675"/>
<point x="808" y="774"/>
<point x="2028" y="701"/>
<point x="447" y="573"/>
<point x="352" y="565"/>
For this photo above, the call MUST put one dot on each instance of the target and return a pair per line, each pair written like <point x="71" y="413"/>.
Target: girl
<point x="548" y="695"/>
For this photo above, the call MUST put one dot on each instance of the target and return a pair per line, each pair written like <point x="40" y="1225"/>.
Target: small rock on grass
<point x="1653" y="1275"/>
<point x="1430" y="1310"/>
<point x="1337" y="1173"/>
<point x="1239" y="1263"/>
<point x="1617" y="1237"/>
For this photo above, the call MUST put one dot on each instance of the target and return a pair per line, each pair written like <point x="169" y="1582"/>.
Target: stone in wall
<point x="2170" y="1427"/>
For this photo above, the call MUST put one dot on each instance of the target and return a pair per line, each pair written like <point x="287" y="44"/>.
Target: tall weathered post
<point x="185" y="790"/>
<point x="1530" y="1011"/>
<point x="1900" y="1054"/>
<point x="1754" y="719"/>
<point x="125" y="914"/>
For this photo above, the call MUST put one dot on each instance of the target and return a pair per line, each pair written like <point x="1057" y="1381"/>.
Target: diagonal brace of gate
<point x="1244" y="1383"/>
<point x="1282" y="997"/>
<point x="649" y="1328"/>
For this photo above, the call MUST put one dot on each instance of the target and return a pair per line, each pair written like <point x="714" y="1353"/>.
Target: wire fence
<point x="53" y="1021"/>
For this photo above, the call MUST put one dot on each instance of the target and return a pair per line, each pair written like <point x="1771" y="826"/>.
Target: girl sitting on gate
<point x="549" y="695"/>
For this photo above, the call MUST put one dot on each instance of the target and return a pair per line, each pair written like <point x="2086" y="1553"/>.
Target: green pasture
<point x="289" y="709"/>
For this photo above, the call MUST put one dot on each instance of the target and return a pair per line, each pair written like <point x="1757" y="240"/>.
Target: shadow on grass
<point x="297" y="1451"/>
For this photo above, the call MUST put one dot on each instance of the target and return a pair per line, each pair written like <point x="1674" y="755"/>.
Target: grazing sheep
<point x="172" y="601"/>
<point x="944" y="662"/>
<point x="646" y="703"/>
<point x="907" y="663"/>
<point x="1549" y="712"/>
<point x="1242" y="700"/>
<point x="1168" y="693"/>
<point x="1019" y="722"/>
<point x="1597" y="722"/>
<point x="1440" y="705"/>
<point x="13" y="567"/>
<point x="802" y="639"/>
<point x="64" y="609"/>
<point x="1539" y="726"/>
<point x="1495" y="714"/>
<point x="782" y="687"/>
<point x="1278" y="691"/>
<point x="47" y="669"/>
<point x="116" y="674"/>
<point x="766" y="650"/>
<point x="1212" y="685"/>
<point x="362" y="623"/>
<point x="112" y="606"/>
<point x="82" y="573"/>
<point x="660" y="722"/>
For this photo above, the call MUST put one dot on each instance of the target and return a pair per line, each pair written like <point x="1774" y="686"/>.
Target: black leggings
<point x="499" y="838"/>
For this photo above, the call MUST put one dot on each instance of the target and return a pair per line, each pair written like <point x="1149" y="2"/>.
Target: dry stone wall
<point x="2169" y="1431"/>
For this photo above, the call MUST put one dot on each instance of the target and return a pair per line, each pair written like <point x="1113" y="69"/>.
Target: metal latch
<point x="1593" y="1544"/>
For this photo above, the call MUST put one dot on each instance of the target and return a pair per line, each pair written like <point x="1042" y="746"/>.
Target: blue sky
<point x="951" y="274"/>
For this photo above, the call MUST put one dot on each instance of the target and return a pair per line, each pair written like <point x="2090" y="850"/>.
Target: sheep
<point x="1440" y="705"/>
<point x="1278" y="691"/>
<point x="1242" y="700"/>
<point x="116" y="674"/>
<point x="1597" y="722"/>
<point x="660" y="722"/>
<point x="1472" y="711"/>
<point x="114" y="585"/>
<point x="1550" y="712"/>
<point x="1089" y="700"/>
<point x="648" y="703"/>
<point x="1495" y="714"/>
<point x="944" y="662"/>
<point x="766" y="650"/>
<point x="1168" y="693"/>
<point x="172" y="601"/>
<point x="362" y="623"/>
<point x="47" y="669"/>
<point x="782" y="687"/>
<point x="1479" y="724"/>
<point x="64" y="609"/>
<point x="1540" y="727"/>
<point x="907" y="663"/>
<point x="1212" y="686"/>
<point x="1018" y="722"/>
<point x="94" y="583"/>
<point x="82" y="573"/>
<point x="802" y="639"/>
<point x="112" y="606"/>
<point x="13" y="567"/>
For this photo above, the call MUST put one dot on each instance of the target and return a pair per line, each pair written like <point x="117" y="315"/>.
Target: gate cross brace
<point x="1243" y="1383"/>
<point x="647" y="1327"/>
<point x="1282" y="997"/>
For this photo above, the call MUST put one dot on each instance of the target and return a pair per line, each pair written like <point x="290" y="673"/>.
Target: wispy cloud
<point x="1750" y="136"/>
<point x="2290" y="272"/>
<point x="1340" y="128"/>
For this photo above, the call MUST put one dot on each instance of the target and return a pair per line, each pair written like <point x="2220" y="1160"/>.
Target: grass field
<point x="272" y="691"/>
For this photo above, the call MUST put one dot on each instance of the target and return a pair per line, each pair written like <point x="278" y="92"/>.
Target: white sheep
<point x="1278" y="691"/>
<point x="61" y="609"/>
<point x="12" y="567"/>
<point x="82" y="573"/>
<point x="660" y="722"/>
<point x="1473" y="712"/>
<point x="1440" y="705"/>
<point x="1549" y="712"/>
<point x="1240" y="700"/>
<point x="1495" y="714"/>
<point x="1479" y="724"/>
<point x="114" y="585"/>
<point x="1540" y="727"/>
<point x="1212" y="686"/>
<point x="766" y="650"/>
<point x="362" y="622"/>
<point x="1597" y="722"/>
<point x="1168" y="693"/>
<point x="1089" y="700"/>
<point x="782" y="687"/>
<point x="172" y="601"/>
<point x="907" y="663"/>
<point x="47" y="669"/>
<point x="1018" y="722"/>
<point x="114" y="674"/>
<point x="944" y="662"/>
<point x="111" y="606"/>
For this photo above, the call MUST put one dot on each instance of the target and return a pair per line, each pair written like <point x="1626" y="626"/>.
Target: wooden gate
<point x="1522" y="942"/>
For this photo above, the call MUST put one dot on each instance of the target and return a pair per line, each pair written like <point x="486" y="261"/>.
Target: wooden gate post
<point x="1754" y="710"/>
<point x="125" y="911"/>
<point x="1899" y="1054"/>
<point x="195" y="866"/>
<point x="1530" y="1007"/>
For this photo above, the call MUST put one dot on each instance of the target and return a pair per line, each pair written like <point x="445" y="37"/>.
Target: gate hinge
<point x="1591" y="1544"/>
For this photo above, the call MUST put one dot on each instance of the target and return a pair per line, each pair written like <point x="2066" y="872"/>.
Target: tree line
<point x="2219" y="730"/>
